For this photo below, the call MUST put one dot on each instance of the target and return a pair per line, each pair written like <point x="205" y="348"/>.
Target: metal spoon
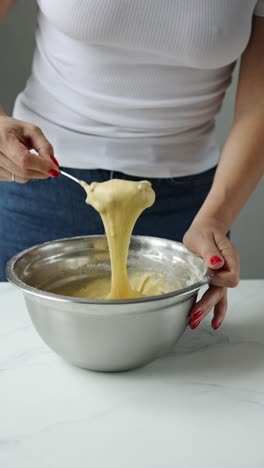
<point x="70" y="177"/>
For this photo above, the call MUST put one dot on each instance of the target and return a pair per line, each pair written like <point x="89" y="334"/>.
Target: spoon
<point x="83" y="184"/>
<point x="71" y="177"/>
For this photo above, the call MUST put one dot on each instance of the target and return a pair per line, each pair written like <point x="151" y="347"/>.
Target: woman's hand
<point x="207" y="239"/>
<point x="16" y="161"/>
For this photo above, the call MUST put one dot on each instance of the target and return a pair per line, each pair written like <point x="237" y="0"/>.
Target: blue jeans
<point x="40" y="211"/>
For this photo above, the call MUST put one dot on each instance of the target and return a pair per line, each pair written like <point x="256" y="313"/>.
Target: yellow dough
<point x="120" y="203"/>
<point x="144" y="283"/>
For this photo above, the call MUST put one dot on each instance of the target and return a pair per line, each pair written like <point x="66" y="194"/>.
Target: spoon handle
<point x="70" y="176"/>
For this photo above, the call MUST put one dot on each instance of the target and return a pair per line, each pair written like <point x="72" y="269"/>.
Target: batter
<point x="143" y="283"/>
<point x="120" y="203"/>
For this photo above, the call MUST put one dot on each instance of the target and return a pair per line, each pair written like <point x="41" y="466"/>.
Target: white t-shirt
<point x="134" y="85"/>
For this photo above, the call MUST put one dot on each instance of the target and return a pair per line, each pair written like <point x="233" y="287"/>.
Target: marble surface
<point x="202" y="405"/>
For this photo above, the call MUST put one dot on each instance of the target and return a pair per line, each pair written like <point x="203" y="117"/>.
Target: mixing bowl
<point x="106" y="335"/>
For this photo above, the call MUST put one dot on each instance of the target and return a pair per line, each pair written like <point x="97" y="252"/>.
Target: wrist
<point x="211" y="222"/>
<point x="216" y="212"/>
<point x="220" y="209"/>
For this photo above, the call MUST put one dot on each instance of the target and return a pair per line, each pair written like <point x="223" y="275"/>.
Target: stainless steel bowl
<point x="106" y="335"/>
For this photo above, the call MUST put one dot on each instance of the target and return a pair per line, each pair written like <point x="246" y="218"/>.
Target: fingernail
<point x="196" y="315"/>
<point x="217" y="325"/>
<point x="215" y="260"/>
<point x="195" y="324"/>
<point x="54" y="160"/>
<point x="54" y="173"/>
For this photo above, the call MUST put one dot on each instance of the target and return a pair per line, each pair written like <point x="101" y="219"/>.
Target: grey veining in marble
<point x="202" y="405"/>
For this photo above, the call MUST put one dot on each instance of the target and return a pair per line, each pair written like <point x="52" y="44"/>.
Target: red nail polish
<point x="216" y="325"/>
<point x="54" y="173"/>
<point x="54" y="160"/>
<point x="197" y="315"/>
<point x="215" y="260"/>
<point x="195" y="324"/>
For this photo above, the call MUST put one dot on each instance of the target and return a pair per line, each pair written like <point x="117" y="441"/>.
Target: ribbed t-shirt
<point x="134" y="85"/>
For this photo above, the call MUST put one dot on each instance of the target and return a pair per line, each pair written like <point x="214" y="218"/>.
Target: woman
<point x="131" y="89"/>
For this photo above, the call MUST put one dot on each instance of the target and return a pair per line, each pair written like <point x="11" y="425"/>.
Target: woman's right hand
<point x="17" y="163"/>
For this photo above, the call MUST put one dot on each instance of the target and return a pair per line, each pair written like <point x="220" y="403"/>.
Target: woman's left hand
<point x="207" y="239"/>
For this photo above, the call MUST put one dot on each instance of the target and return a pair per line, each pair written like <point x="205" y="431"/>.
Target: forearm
<point x="240" y="168"/>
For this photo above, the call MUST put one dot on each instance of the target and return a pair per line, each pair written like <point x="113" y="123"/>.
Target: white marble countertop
<point x="200" y="406"/>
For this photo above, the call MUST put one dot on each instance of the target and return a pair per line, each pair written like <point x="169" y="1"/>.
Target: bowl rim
<point x="16" y="281"/>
